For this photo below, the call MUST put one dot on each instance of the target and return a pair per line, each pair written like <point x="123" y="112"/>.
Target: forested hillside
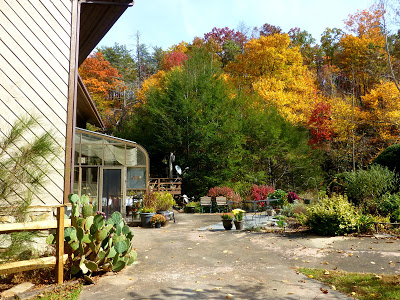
<point x="256" y="106"/>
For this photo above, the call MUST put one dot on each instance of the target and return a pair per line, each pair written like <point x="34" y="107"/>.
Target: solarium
<point x="109" y="169"/>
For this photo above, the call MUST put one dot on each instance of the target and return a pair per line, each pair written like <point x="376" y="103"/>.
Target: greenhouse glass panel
<point x="141" y="158"/>
<point x="114" y="154"/>
<point x="90" y="183"/>
<point x="91" y="139"/>
<point x="91" y="154"/>
<point x="131" y="156"/>
<point x="136" y="178"/>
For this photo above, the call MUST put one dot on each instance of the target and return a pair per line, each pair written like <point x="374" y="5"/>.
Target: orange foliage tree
<point x="102" y="81"/>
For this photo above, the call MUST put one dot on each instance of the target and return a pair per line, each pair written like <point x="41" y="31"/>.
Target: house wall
<point x="35" y="42"/>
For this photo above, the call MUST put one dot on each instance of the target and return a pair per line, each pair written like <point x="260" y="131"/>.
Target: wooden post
<point x="60" y="245"/>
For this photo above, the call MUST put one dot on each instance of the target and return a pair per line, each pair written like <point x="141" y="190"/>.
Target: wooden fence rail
<point x="44" y="262"/>
<point x="170" y="185"/>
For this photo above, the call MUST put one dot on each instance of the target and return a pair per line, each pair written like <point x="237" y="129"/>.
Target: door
<point x="111" y="191"/>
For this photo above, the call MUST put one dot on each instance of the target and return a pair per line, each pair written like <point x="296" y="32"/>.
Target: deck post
<point x="60" y="245"/>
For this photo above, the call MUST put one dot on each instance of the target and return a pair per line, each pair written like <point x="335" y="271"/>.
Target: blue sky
<point x="164" y="23"/>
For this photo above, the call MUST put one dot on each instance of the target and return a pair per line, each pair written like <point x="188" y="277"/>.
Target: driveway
<point x="182" y="262"/>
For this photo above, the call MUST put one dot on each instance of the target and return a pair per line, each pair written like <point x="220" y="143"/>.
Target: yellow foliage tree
<point x="276" y="71"/>
<point x="382" y="111"/>
<point x="363" y="56"/>
<point x="154" y="81"/>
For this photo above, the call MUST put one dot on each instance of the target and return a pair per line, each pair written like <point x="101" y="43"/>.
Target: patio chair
<point x="221" y="203"/>
<point x="205" y="202"/>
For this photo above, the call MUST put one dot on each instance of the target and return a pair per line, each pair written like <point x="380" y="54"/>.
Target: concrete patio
<point x="194" y="259"/>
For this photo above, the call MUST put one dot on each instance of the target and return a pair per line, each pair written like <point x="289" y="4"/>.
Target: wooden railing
<point x="170" y="185"/>
<point x="32" y="264"/>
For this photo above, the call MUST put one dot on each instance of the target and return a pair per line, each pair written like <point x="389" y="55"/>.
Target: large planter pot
<point x="239" y="225"/>
<point x="145" y="219"/>
<point x="166" y="213"/>
<point x="135" y="215"/>
<point x="190" y="209"/>
<point x="227" y="224"/>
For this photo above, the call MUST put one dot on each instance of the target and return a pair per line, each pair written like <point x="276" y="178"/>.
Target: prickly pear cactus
<point x="94" y="244"/>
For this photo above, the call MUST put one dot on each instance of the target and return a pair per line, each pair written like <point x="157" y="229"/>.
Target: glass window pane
<point x="91" y="139"/>
<point x="136" y="178"/>
<point x="89" y="183"/>
<point x="112" y="197"/>
<point x="114" y="154"/>
<point x="76" y="157"/>
<point x="91" y="154"/>
<point x="77" y="138"/>
<point x="76" y="180"/>
<point x="131" y="156"/>
<point x="141" y="158"/>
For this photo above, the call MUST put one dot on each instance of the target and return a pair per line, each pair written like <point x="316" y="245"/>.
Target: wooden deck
<point x="170" y="185"/>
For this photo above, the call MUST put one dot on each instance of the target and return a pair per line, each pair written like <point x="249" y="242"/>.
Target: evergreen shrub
<point x="332" y="216"/>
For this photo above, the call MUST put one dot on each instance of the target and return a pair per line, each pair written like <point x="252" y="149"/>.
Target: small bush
<point x="388" y="204"/>
<point x="390" y="158"/>
<point x="292" y="196"/>
<point x="294" y="209"/>
<point x="368" y="184"/>
<point x="221" y="191"/>
<point x="332" y="216"/>
<point x="163" y="201"/>
<point x="195" y="204"/>
<point x="365" y="223"/>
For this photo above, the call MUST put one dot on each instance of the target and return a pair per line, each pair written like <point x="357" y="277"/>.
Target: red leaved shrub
<point x="225" y="192"/>
<point x="260" y="192"/>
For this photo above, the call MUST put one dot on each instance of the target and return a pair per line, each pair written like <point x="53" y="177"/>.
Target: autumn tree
<point x="382" y="112"/>
<point x="174" y="56"/>
<point x="227" y="43"/>
<point x="193" y="112"/>
<point x="306" y="43"/>
<point x="120" y="58"/>
<point x="268" y="29"/>
<point x="276" y="71"/>
<point x="362" y="56"/>
<point x="100" y="78"/>
<point x="320" y="124"/>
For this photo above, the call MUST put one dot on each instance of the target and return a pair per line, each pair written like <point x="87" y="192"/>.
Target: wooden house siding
<point x="35" y="42"/>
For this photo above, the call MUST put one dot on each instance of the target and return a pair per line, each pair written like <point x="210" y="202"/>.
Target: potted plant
<point x="163" y="204"/>
<point x="278" y="198"/>
<point x="190" y="207"/>
<point x="145" y="216"/>
<point x="227" y="219"/>
<point x="239" y="214"/>
<point x="157" y="220"/>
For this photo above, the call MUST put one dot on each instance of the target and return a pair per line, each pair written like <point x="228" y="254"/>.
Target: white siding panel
<point x="52" y="79"/>
<point x="54" y="177"/>
<point x="65" y="22"/>
<point x="15" y="104"/>
<point x="59" y="5"/>
<point x="47" y="22"/>
<point x="17" y="15"/>
<point x="67" y="4"/>
<point x="38" y="52"/>
<point x="33" y="86"/>
<point x="34" y="67"/>
<point x="33" y="95"/>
